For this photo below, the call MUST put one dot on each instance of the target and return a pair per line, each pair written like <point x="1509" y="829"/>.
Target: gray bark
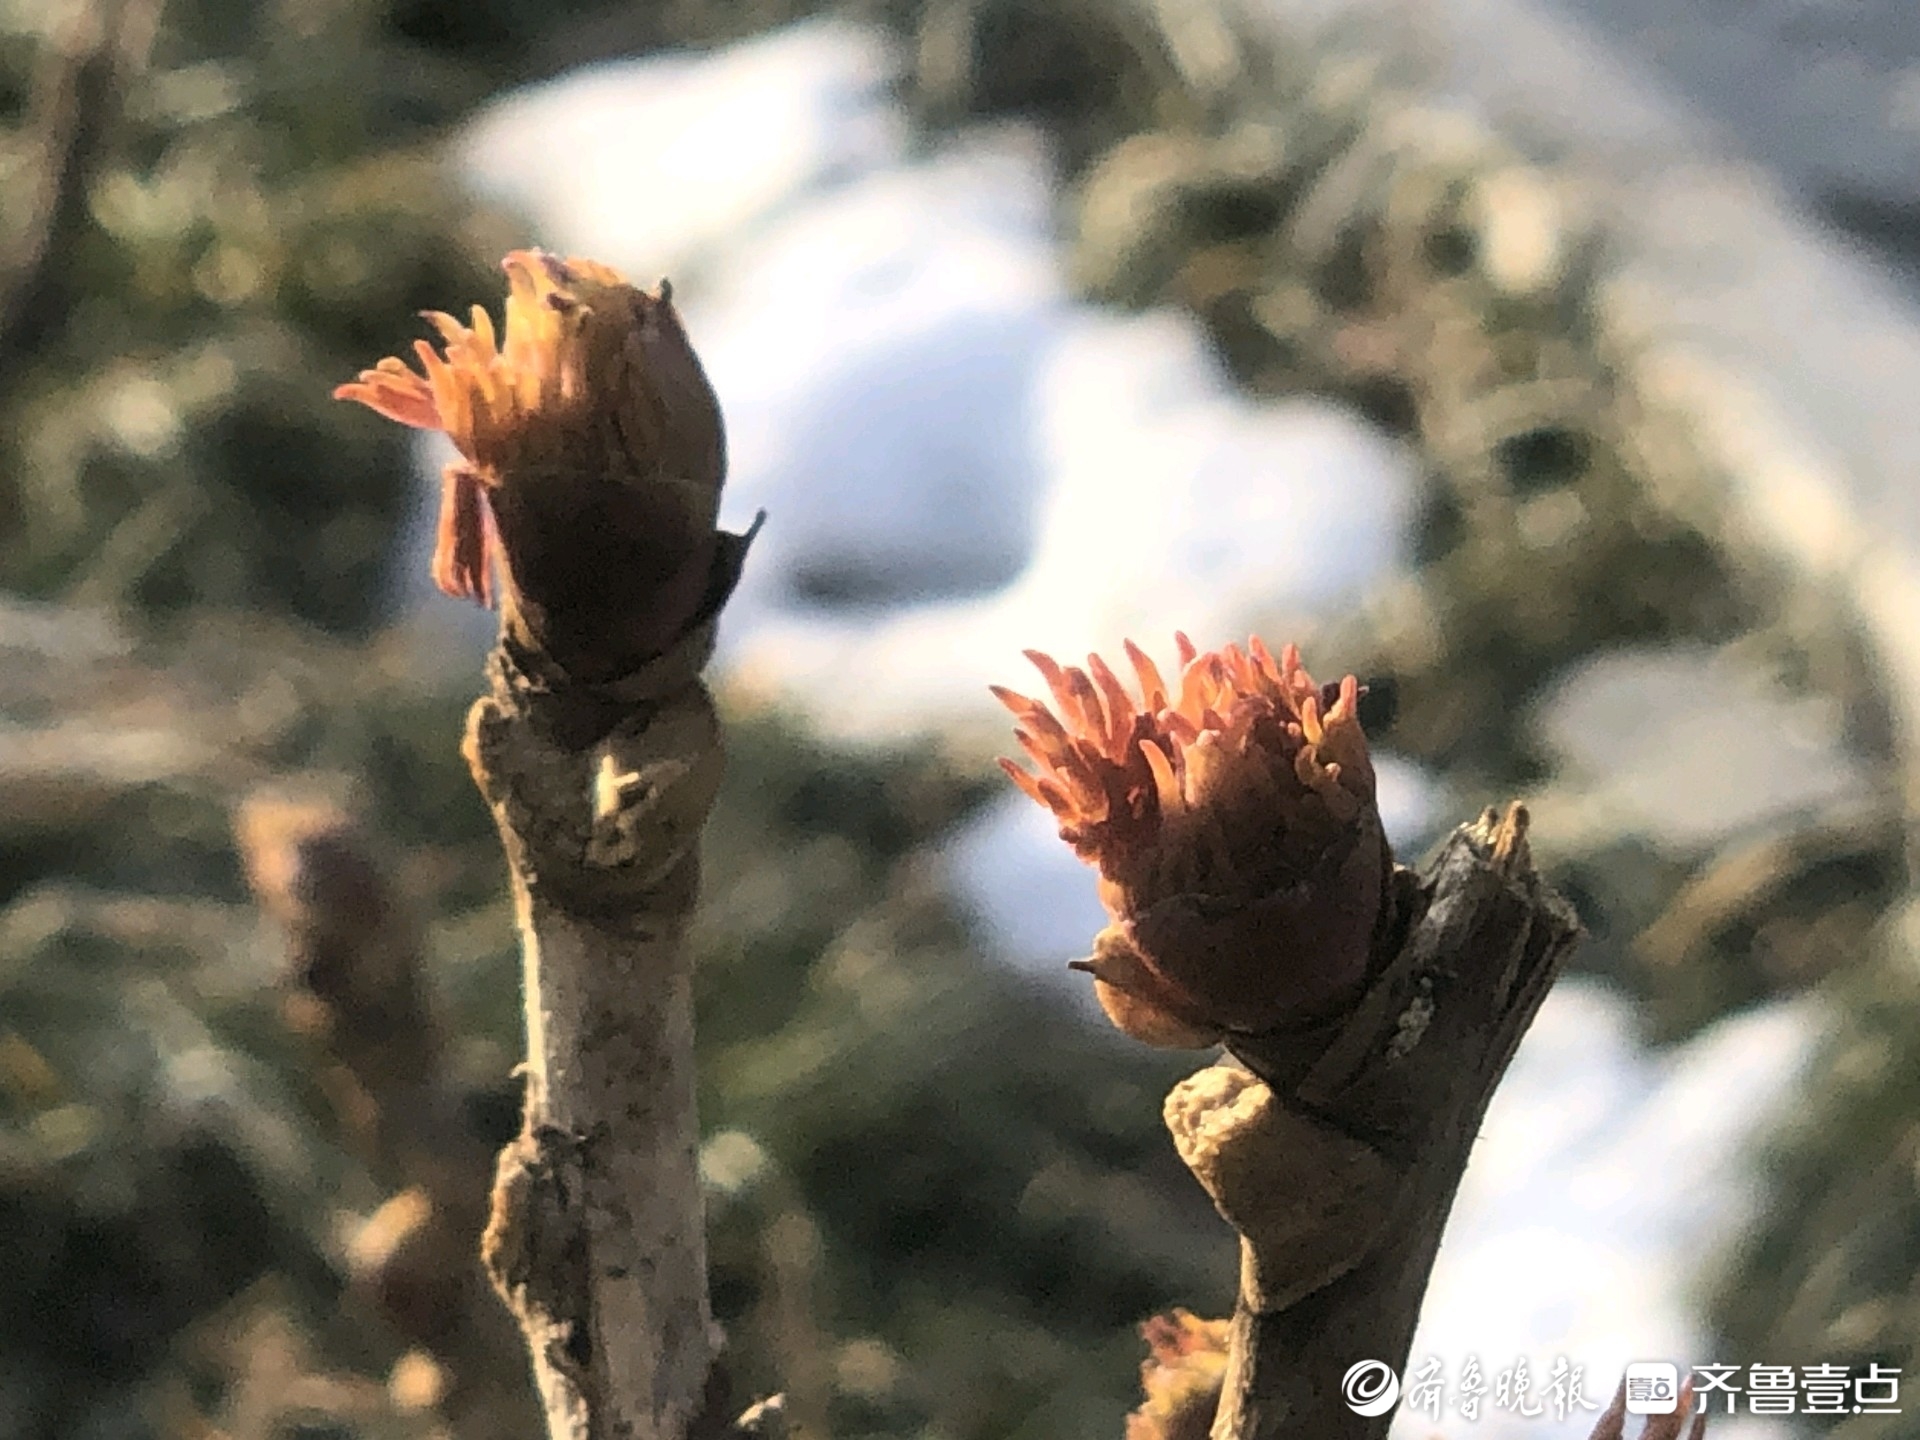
<point x="597" y="1233"/>
<point x="1336" y="1153"/>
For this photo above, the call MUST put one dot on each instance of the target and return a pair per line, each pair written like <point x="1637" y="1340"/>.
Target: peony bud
<point x="1185" y="1367"/>
<point x="593" y="455"/>
<point x="1233" y="822"/>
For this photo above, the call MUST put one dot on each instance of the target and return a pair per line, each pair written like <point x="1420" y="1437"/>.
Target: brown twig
<point x="1336" y="1153"/>
<point x="597" y="1234"/>
<point x="1233" y="816"/>
<point x="590" y="487"/>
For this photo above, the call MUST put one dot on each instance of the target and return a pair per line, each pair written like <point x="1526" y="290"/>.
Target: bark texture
<point x="593" y="454"/>
<point x="597" y="1230"/>
<point x="1337" y="1151"/>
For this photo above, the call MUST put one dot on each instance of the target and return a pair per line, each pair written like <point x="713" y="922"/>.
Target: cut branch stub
<point x="1233" y="818"/>
<point x="1339" y="1167"/>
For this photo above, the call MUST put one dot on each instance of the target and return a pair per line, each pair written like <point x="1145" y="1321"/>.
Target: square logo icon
<point x="1653" y="1388"/>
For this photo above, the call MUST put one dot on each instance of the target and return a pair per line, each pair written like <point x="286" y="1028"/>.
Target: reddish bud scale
<point x="1181" y="1377"/>
<point x="592" y="457"/>
<point x="1233" y="820"/>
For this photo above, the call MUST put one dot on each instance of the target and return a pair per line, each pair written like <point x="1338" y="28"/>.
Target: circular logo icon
<point x="1370" y="1387"/>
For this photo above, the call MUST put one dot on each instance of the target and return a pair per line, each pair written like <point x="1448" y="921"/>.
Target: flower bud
<point x="1185" y="1367"/>
<point x="593" y="455"/>
<point x="1234" y="825"/>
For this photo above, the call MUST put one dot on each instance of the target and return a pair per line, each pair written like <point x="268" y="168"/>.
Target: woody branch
<point x="587" y="495"/>
<point x="1336" y="1156"/>
<point x="1371" y="1011"/>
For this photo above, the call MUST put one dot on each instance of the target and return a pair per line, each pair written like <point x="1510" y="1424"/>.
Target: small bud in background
<point x="403" y="1262"/>
<point x="1233" y="821"/>
<point x="353" y="979"/>
<point x="593" y="456"/>
<point x="1185" y="1366"/>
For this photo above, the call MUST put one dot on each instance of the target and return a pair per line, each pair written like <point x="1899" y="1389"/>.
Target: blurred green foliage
<point x="246" y="207"/>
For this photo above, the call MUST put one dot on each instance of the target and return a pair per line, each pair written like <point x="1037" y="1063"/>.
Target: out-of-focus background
<point x="1554" y="369"/>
